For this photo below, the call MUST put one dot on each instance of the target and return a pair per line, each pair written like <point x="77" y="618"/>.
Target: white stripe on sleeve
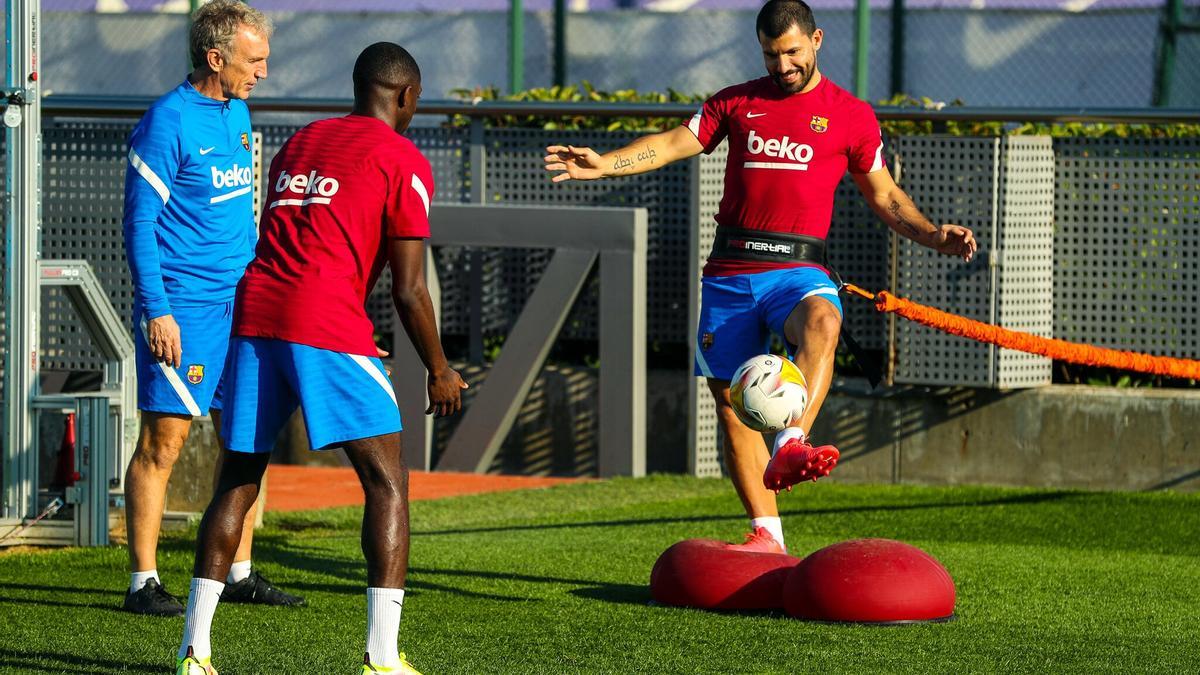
<point x="422" y="192"/>
<point x="147" y="173"/>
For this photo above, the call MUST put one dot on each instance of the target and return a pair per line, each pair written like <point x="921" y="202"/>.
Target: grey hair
<point x="215" y="24"/>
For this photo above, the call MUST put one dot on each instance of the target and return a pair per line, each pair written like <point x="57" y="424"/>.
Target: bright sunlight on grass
<point x="555" y="580"/>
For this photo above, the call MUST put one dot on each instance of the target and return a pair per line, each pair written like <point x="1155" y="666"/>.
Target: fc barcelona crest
<point x="819" y="124"/>
<point x="246" y="141"/>
<point x="196" y="373"/>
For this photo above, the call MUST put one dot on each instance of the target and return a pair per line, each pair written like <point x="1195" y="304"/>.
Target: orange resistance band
<point x="1059" y="350"/>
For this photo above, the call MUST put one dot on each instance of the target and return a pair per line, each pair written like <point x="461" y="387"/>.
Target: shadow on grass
<point x="119" y="594"/>
<point x="43" y="661"/>
<point x="1034" y="498"/>
<point x="620" y="594"/>
<point x="114" y="606"/>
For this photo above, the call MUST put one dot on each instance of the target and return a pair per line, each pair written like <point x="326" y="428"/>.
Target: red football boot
<point x="758" y="541"/>
<point x="798" y="461"/>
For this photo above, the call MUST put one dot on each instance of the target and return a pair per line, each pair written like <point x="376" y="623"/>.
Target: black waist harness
<point x="735" y="243"/>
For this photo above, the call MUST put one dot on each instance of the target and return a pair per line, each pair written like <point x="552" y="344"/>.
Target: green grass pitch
<point x="555" y="581"/>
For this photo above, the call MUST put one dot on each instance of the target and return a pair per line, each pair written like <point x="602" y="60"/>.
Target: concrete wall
<point x="1059" y="436"/>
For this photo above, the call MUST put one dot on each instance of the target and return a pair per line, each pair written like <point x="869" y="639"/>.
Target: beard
<point x="805" y="73"/>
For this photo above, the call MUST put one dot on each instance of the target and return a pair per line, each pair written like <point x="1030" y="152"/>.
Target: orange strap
<point x="1059" y="350"/>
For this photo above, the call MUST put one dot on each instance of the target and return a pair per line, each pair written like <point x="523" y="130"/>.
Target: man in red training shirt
<point x="345" y="195"/>
<point x="792" y="136"/>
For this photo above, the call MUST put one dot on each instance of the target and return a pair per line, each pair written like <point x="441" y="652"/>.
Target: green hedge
<point x="584" y="92"/>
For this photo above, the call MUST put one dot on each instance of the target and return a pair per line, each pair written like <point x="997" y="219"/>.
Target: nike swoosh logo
<point x="205" y="151"/>
<point x="751" y="115"/>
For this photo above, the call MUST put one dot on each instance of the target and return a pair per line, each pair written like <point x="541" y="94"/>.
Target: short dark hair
<point x="385" y="64"/>
<point x="778" y="16"/>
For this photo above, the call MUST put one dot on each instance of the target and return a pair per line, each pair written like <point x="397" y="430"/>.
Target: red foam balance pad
<point x="707" y="574"/>
<point x="870" y="581"/>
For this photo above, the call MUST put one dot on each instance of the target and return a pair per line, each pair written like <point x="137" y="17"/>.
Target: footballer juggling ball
<point x="870" y="581"/>
<point x="707" y="574"/>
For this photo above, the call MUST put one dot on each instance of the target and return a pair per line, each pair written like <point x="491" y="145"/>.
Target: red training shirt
<point x="336" y="191"/>
<point x="787" y="154"/>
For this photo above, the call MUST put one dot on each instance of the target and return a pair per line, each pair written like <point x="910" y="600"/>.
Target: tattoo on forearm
<point x="894" y="209"/>
<point x="626" y="162"/>
<point x="647" y="155"/>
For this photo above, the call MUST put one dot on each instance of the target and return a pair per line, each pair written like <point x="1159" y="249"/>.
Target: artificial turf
<point x="555" y="580"/>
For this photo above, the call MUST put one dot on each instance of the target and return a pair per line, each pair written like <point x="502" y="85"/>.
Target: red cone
<point x="65" y="474"/>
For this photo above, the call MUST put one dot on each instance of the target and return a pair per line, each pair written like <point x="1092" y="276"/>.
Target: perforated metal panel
<point x="1127" y="244"/>
<point x="961" y="180"/>
<point x="705" y="456"/>
<point x="1024" y="289"/>
<point x="858" y="251"/>
<point x="515" y="175"/>
<point x="83" y="187"/>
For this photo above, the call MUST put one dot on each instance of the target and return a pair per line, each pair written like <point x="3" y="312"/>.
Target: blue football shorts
<point x="195" y="386"/>
<point x="343" y="397"/>
<point x="738" y="313"/>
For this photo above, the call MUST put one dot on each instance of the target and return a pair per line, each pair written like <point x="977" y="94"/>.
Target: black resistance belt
<point x="735" y="243"/>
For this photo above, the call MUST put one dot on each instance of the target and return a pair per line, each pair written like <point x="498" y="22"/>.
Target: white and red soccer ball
<point x="768" y="393"/>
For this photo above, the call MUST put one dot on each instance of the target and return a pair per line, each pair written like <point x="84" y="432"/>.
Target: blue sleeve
<point x="154" y="157"/>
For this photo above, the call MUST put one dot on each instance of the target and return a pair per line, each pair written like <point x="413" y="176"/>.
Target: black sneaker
<point x="256" y="589"/>
<point x="153" y="600"/>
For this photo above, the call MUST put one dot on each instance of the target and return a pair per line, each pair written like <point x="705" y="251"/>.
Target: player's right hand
<point x="445" y="392"/>
<point x="162" y="334"/>
<point x="573" y="163"/>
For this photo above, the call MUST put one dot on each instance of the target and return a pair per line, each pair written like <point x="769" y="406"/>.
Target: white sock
<point x="773" y="524"/>
<point x="138" y="579"/>
<point x="786" y="435"/>
<point x="238" y="571"/>
<point x="202" y="604"/>
<point x="383" y="625"/>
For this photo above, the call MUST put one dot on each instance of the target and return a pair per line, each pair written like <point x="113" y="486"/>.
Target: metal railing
<point x="132" y="106"/>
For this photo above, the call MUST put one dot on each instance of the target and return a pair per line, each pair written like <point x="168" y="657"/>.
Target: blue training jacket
<point x="189" y="202"/>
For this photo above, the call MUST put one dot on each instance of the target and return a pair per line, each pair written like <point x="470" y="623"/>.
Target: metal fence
<point x="1087" y="240"/>
<point x="1011" y="52"/>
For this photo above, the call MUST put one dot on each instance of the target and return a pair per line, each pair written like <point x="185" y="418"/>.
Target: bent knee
<point x="157" y="456"/>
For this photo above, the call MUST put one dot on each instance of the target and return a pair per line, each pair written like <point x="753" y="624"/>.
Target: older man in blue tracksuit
<point x="189" y="233"/>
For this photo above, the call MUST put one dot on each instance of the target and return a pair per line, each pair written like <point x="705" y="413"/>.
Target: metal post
<point x="899" y="14"/>
<point x="516" y="46"/>
<point x="1168" y="37"/>
<point x="477" y="257"/>
<point x="560" y="43"/>
<point x="92" y="448"/>
<point x="193" y="5"/>
<point x="862" y="43"/>
<point x="23" y="201"/>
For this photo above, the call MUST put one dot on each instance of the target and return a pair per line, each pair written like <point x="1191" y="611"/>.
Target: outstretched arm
<point x="407" y="258"/>
<point x="645" y="154"/>
<point x="897" y="209"/>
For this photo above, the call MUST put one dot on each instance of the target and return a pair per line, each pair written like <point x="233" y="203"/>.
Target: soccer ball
<point x="768" y="392"/>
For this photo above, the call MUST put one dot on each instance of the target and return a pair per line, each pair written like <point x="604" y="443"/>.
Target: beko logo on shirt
<point x="311" y="188"/>
<point x="235" y="176"/>
<point x="241" y="179"/>
<point x="784" y="148"/>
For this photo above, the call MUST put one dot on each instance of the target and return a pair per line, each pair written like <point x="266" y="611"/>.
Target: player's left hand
<point x="445" y="392"/>
<point x="954" y="240"/>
